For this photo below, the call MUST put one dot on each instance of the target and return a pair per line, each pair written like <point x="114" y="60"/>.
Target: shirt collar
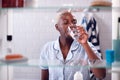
<point x="73" y="48"/>
<point x="74" y="45"/>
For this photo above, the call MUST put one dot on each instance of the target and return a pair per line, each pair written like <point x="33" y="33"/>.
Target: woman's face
<point x="65" y="20"/>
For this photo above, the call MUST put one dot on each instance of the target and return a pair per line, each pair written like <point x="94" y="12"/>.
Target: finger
<point x="81" y="31"/>
<point x="83" y="35"/>
<point x="80" y="28"/>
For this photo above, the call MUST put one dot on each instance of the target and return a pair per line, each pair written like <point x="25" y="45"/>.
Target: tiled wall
<point x="32" y="29"/>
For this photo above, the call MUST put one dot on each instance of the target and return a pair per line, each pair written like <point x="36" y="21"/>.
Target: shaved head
<point x="65" y="13"/>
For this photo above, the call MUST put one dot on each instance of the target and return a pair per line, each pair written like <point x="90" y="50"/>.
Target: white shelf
<point x="29" y="63"/>
<point x="63" y="8"/>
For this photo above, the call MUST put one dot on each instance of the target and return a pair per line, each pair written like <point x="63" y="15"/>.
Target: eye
<point x="74" y="21"/>
<point x="65" y="22"/>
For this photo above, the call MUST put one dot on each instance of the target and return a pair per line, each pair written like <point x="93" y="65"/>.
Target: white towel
<point x="92" y="30"/>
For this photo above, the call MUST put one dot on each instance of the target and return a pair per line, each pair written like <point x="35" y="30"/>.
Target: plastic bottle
<point x="78" y="76"/>
<point x="116" y="43"/>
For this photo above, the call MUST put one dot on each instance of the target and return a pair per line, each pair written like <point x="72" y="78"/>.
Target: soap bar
<point x="13" y="56"/>
<point x="78" y="76"/>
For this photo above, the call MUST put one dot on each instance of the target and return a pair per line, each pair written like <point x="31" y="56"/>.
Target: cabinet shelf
<point x="64" y="8"/>
<point x="29" y="63"/>
<point x="35" y="63"/>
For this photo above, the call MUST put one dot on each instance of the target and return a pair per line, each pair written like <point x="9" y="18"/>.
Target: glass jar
<point x="116" y="43"/>
<point x="12" y="3"/>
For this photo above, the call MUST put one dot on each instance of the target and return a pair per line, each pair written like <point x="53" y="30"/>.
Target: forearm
<point x="98" y="72"/>
<point x="89" y="51"/>
<point x="44" y="75"/>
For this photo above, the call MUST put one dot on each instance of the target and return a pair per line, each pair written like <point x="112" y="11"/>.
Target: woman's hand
<point x="83" y="36"/>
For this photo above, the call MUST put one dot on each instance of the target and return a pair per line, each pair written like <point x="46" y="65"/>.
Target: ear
<point x="56" y="26"/>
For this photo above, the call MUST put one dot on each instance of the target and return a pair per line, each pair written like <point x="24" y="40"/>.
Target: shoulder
<point x="48" y="45"/>
<point x="47" y="48"/>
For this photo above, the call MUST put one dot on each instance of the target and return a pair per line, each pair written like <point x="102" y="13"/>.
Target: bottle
<point x="116" y="43"/>
<point x="20" y="3"/>
<point x="78" y="76"/>
<point x="109" y="55"/>
<point x="4" y="3"/>
<point x="31" y="3"/>
<point x="118" y="29"/>
<point x="0" y="3"/>
<point x="12" y="3"/>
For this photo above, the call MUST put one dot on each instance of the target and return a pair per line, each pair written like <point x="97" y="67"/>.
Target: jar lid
<point x="101" y="3"/>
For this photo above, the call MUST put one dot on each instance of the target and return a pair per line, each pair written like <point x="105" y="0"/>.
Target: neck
<point x="65" y="42"/>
